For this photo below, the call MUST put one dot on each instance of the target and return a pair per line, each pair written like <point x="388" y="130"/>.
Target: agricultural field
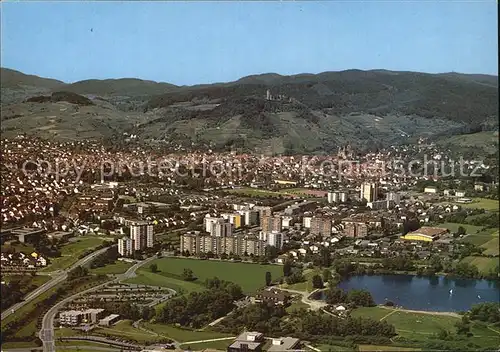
<point x="71" y="251"/>
<point x="250" y="277"/>
<point x="480" y="238"/>
<point x="482" y="203"/>
<point x="183" y="335"/>
<point x="118" y="267"/>
<point x="483" y="264"/>
<point x="453" y="227"/>
<point x="491" y="247"/>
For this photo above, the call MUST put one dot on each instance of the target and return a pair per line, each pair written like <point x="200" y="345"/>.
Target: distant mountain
<point x="305" y="112"/>
<point x="15" y="79"/>
<point x="130" y="87"/>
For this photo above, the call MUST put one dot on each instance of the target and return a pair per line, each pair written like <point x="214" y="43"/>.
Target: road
<point x="46" y="333"/>
<point x="57" y="277"/>
<point x="313" y="304"/>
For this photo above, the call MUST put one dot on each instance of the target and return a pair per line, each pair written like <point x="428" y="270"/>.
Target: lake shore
<point x="449" y="314"/>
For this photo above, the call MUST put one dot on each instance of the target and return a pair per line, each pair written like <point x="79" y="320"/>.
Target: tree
<point x="461" y="231"/>
<point x="287" y="268"/>
<point x="268" y="278"/>
<point x="327" y="275"/>
<point x="188" y="275"/>
<point x="317" y="281"/>
<point x="154" y="268"/>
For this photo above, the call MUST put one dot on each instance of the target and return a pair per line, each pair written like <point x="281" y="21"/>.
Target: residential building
<point x="430" y="190"/>
<point x="221" y="228"/>
<point x="208" y="222"/>
<point x="369" y="191"/>
<point x="321" y="226"/>
<point x="271" y="295"/>
<point x="125" y="246"/>
<point x="196" y="243"/>
<point x="142" y="234"/>
<point x="393" y="196"/>
<point x="275" y="239"/>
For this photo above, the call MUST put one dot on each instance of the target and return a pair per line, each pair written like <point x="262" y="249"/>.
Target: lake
<point x="424" y="293"/>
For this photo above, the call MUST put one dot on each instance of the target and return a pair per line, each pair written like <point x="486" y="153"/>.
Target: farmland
<point x="250" y="277"/>
<point x="482" y="203"/>
<point x="453" y="227"/>
<point x="483" y="264"/>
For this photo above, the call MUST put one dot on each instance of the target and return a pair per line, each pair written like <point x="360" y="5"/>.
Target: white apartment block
<point x="142" y="235"/>
<point x="125" y="247"/>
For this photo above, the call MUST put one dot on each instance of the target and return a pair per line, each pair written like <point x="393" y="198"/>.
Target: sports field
<point x="71" y="251"/>
<point x="250" y="277"/>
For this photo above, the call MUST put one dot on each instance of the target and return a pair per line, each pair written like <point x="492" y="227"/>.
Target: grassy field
<point x="483" y="264"/>
<point x="125" y="329"/>
<point x="453" y="227"/>
<point x="482" y="203"/>
<point x="221" y="345"/>
<point x="296" y="305"/>
<point x="257" y="192"/>
<point x="250" y="277"/>
<point x="118" y="267"/>
<point x="422" y="325"/>
<point x="146" y="277"/>
<point x="306" y="285"/>
<point x="71" y="251"/>
<point x="183" y="335"/>
<point x="492" y="246"/>
<point x="25" y="248"/>
<point x="385" y="348"/>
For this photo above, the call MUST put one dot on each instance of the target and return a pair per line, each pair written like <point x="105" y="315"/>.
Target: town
<point x="132" y="246"/>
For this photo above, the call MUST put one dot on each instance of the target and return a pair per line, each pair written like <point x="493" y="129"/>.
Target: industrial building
<point x="426" y="234"/>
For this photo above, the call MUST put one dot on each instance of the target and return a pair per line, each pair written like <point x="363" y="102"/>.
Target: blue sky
<point x="202" y="42"/>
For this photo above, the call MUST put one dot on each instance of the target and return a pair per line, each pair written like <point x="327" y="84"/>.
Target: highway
<point x="57" y="277"/>
<point x="46" y="333"/>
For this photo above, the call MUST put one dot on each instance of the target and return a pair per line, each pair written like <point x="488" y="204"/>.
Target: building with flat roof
<point x="28" y="234"/>
<point x="426" y="234"/>
<point x="109" y="320"/>
<point x="247" y="341"/>
<point x="285" y="344"/>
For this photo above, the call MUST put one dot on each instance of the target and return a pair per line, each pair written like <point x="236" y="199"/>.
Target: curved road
<point x="46" y="333"/>
<point x="57" y="277"/>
